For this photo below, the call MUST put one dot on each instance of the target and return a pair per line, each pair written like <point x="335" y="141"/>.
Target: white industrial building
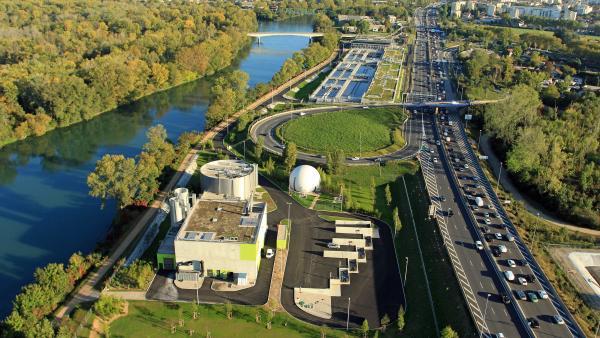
<point x="221" y="234"/>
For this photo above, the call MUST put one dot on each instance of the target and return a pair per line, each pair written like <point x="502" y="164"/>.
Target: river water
<point x="45" y="211"/>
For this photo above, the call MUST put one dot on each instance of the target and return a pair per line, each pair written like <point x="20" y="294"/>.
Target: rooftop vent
<point x="214" y="219"/>
<point x="219" y="208"/>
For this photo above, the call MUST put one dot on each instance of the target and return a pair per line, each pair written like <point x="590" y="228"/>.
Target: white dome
<point x="304" y="179"/>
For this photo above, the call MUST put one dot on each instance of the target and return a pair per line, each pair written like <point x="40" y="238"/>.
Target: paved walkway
<point x="89" y="288"/>
<point x="531" y="206"/>
<point x="277" y="280"/>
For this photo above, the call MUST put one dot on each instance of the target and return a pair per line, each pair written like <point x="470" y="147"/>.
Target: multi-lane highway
<point x="481" y="241"/>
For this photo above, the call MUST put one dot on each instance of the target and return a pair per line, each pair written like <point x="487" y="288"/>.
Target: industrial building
<point x="221" y="233"/>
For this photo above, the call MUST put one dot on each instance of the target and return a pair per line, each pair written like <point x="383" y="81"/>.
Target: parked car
<point x="496" y="252"/>
<point x="509" y="275"/>
<point x="498" y="236"/>
<point x="543" y="294"/>
<point x="522" y="281"/>
<point x="511" y="263"/>
<point x="502" y="248"/>
<point x="487" y="221"/>
<point x="521" y="295"/>
<point x="510" y="238"/>
<point x="505" y="299"/>
<point x="270" y="253"/>
<point x="530" y="278"/>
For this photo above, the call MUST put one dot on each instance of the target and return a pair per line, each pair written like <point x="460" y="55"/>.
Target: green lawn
<point x="306" y="88"/>
<point x="154" y="319"/>
<point x="352" y="131"/>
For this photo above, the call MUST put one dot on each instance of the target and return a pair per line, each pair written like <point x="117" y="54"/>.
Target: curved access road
<point x="413" y="129"/>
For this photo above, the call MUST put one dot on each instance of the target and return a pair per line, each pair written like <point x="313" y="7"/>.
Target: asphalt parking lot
<point x="374" y="291"/>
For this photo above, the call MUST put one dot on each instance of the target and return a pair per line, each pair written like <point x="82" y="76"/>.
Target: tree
<point x="114" y="177"/>
<point x="397" y="222"/>
<point x="229" y="309"/>
<point x="400" y="322"/>
<point x="330" y="164"/>
<point x="290" y="154"/>
<point x="388" y="195"/>
<point x="339" y="160"/>
<point x="448" y="332"/>
<point x="108" y="306"/>
<point x="385" y="321"/>
<point x="365" y="328"/>
<point x="158" y="147"/>
<point x="269" y="166"/>
<point x="258" y="148"/>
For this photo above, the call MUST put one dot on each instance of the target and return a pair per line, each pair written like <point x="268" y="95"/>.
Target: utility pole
<point x="348" y="315"/>
<point x="487" y="298"/>
<point x="479" y="140"/>
<point x="289" y="204"/>
<point x="197" y="297"/>
<point x="244" y="149"/>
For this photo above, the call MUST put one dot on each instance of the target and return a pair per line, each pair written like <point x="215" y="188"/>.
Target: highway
<point x="454" y="179"/>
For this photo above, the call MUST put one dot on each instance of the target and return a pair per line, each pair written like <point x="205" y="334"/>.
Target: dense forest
<point x="62" y="62"/>
<point x="545" y="127"/>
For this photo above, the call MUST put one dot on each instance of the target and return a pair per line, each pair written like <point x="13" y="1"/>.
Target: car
<point x="543" y="294"/>
<point x="466" y="166"/>
<point x="435" y="160"/>
<point x="488" y="238"/>
<point x="302" y="113"/>
<point x="486" y="214"/>
<point x="532" y="297"/>
<point x="533" y="323"/>
<point x="355" y="158"/>
<point x="510" y="238"/>
<point x="530" y="278"/>
<point x="442" y="198"/>
<point x="270" y="253"/>
<point x="479" y="245"/>
<point x="332" y="245"/>
<point x="379" y="159"/>
<point x="437" y="142"/>
<point x="365" y="107"/>
<point x="557" y="319"/>
<point x="450" y="212"/>
<point x="522" y="262"/>
<point x="484" y="229"/>
<point x="502" y="248"/>
<point x="487" y="221"/>
<point x="498" y="236"/>
<point x="474" y="207"/>
<point x="521" y="295"/>
<point x="505" y="299"/>
<point x="498" y="335"/>
<point x="509" y="275"/>
<point x="511" y="263"/>
<point x="431" y="151"/>
<point x="522" y="280"/>
<point x="491" y="207"/>
<point x="495" y="251"/>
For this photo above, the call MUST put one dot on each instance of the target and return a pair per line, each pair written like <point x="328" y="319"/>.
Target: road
<point x="268" y="125"/>
<point x="454" y="178"/>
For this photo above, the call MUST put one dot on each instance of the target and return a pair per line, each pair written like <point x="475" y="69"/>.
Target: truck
<point x="479" y="201"/>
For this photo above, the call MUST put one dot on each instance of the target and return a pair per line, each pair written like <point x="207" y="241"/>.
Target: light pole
<point x="197" y="297"/>
<point x="348" y="315"/>
<point x="487" y="298"/>
<point x="289" y="204"/>
<point x="499" y="175"/>
<point x="479" y="140"/>
<point x="404" y="285"/>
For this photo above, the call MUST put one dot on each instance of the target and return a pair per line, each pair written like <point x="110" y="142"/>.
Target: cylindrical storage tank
<point x="305" y="179"/>
<point x="232" y="178"/>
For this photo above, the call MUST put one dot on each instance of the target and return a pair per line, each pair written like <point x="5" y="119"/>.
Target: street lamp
<point x="404" y="288"/>
<point x="479" y="140"/>
<point x="289" y="204"/>
<point x="348" y="315"/>
<point x="499" y="175"/>
<point x="487" y="298"/>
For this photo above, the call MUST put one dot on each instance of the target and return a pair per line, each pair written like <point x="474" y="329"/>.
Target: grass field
<point x="353" y="131"/>
<point x="155" y="319"/>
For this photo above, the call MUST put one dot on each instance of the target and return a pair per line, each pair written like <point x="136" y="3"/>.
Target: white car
<point x="511" y="263"/>
<point x="355" y="158"/>
<point x="466" y="166"/>
<point x="479" y="245"/>
<point x="502" y="248"/>
<point x="509" y="275"/>
<point x="435" y="160"/>
<point x="437" y="143"/>
<point x="332" y="245"/>
<point x="498" y="236"/>
<point x="522" y="280"/>
<point x="558" y="319"/>
<point x="543" y="294"/>
<point x="270" y="253"/>
<point x="488" y="222"/>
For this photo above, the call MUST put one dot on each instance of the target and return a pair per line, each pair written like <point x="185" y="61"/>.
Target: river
<point x="45" y="211"/>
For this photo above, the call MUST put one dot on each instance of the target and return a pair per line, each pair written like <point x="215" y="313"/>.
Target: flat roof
<point x="221" y="220"/>
<point x="227" y="168"/>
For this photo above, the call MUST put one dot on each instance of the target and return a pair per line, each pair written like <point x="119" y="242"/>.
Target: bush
<point x="107" y="306"/>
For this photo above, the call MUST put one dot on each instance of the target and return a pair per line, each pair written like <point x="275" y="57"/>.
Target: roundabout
<point x="365" y="135"/>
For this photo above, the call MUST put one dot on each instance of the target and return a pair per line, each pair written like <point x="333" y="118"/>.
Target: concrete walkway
<point x="531" y="205"/>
